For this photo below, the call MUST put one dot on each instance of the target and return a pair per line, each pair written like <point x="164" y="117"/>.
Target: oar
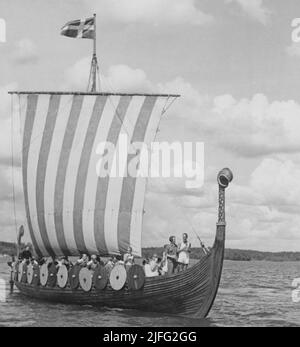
<point x="201" y="243"/>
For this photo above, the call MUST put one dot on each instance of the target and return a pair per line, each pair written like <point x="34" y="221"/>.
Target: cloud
<point x="277" y="182"/>
<point x="76" y="76"/>
<point x="25" y="52"/>
<point x="150" y="12"/>
<point x="269" y="204"/>
<point x="255" y="9"/>
<point x="118" y="78"/>
<point x="5" y="99"/>
<point x="8" y="112"/>
<point x="258" y="214"/>
<point x="250" y="127"/>
<point x="7" y="221"/>
<point x="255" y="127"/>
<point x="293" y="50"/>
<point x="123" y="78"/>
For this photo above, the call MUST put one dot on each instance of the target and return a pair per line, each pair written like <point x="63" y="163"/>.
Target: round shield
<point x="29" y="273"/>
<point x="62" y="276"/>
<point x="136" y="277"/>
<point x="74" y="276"/>
<point x="100" y="278"/>
<point x="36" y="275"/>
<point x="24" y="273"/>
<point x="85" y="279"/>
<point x="52" y="277"/>
<point x="20" y="271"/>
<point x="117" y="277"/>
<point x="44" y="275"/>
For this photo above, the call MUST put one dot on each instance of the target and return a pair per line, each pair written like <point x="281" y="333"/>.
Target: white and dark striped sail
<point x="69" y="208"/>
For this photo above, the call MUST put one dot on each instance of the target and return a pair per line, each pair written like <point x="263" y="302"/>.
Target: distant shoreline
<point x="237" y="254"/>
<point x="9" y="248"/>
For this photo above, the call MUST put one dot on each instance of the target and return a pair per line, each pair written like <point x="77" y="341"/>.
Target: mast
<point x="94" y="64"/>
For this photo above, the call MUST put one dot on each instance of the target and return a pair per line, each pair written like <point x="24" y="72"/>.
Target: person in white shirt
<point x="151" y="266"/>
<point x="154" y="265"/>
<point x="184" y="250"/>
<point x="147" y="268"/>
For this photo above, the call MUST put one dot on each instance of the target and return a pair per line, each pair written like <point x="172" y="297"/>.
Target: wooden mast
<point x="94" y="63"/>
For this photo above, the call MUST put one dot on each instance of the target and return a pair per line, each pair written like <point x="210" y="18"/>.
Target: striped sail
<point x="69" y="208"/>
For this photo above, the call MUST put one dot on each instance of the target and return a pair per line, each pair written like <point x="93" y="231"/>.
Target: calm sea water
<point x="250" y="294"/>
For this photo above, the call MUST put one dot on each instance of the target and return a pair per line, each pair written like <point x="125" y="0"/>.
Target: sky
<point x="238" y="73"/>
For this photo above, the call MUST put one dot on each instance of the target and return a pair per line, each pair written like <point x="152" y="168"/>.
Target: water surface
<point x="250" y="294"/>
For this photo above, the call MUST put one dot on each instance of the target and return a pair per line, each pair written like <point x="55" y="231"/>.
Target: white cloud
<point x="6" y="100"/>
<point x="119" y="78"/>
<point x="7" y="222"/>
<point x="25" y="52"/>
<point x="76" y="76"/>
<point x="7" y="111"/>
<point x="247" y="127"/>
<point x="293" y="50"/>
<point x="256" y="126"/>
<point x="254" y="9"/>
<point x="156" y="12"/>
<point x="125" y="79"/>
<point x="277" y="182"/>
<point x="258" y="214"/>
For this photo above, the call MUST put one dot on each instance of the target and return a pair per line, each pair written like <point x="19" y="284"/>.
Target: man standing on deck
<point x="171" y="250"/>
<point x="184" y="250"/>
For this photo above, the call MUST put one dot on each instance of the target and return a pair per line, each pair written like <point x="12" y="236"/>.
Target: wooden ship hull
<point x="188" y="293"/>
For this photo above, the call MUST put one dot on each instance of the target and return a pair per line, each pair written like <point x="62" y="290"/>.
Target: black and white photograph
<point x="150" y="165"/>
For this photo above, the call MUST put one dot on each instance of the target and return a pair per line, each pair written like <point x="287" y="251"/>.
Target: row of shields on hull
<point x="80" y="277"/>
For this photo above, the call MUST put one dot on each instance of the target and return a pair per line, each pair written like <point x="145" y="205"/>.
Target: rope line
<point x="12" y="169"/>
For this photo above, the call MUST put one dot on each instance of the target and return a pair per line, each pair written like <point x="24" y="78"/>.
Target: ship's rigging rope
<point x="98" y="74"/>
<point x="12" y="168"/>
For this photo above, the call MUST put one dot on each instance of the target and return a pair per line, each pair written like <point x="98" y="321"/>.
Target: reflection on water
<point x="250" y="294"/>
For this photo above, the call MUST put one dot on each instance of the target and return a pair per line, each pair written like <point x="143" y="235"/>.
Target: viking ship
<point x="72" y="210"/>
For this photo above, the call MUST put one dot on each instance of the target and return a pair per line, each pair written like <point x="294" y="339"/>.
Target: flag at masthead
<point x="85" y="29"/>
